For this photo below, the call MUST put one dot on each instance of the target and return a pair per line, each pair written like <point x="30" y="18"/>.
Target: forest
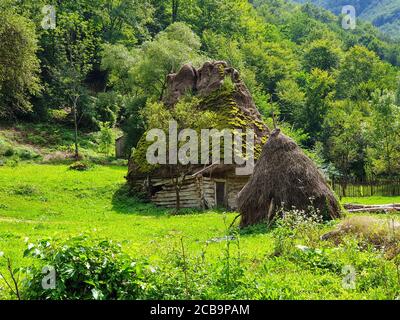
<point x="383" y="14"/>
<point x="333" y="90"/>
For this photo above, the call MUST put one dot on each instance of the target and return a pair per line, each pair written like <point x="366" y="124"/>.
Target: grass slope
<point x="372" y="200"/>
<point x="49" y="143"/>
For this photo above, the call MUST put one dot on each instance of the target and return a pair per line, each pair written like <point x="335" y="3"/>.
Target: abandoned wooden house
<point x="213" y="186"/>
<point x="202" y="186"/>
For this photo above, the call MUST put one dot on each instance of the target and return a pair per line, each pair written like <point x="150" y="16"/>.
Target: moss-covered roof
<point x="234" y="108"/>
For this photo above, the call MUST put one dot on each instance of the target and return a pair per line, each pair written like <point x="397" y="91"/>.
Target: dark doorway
<point x="220" y="194"/>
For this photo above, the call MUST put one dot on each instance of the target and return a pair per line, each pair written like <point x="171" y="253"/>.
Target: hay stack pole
<point x="284" y="177"/>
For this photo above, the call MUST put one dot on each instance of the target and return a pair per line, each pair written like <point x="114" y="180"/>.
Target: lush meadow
<point x="191" y="255"/>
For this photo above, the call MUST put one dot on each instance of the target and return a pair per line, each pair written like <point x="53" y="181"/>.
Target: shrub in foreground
<point x="299" y="266"/>
<point x="84" y="269"/>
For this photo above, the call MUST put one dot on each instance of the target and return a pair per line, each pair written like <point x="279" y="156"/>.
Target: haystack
<point x="284" y="178"/>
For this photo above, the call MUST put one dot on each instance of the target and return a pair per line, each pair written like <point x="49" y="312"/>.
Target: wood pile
<point x="354" y="208"/>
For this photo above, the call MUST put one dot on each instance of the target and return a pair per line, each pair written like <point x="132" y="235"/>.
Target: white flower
<point x="302" y="248"/>
<point x="153" y="270"/>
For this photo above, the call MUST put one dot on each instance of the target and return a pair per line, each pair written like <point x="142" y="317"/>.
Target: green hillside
<point x="384" y="14"/>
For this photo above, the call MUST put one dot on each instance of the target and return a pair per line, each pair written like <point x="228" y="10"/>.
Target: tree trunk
<point x="164" y="86"/>
<point x="76" y="130"/>
<point x="344" y="186"/>
<point x="175" y="8"/>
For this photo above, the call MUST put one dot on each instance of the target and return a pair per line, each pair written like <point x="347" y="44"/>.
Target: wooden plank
<point x="388" y="209"/>
<point x="192" y="203"/>
<point x="174" y="199"/>
<point x="372" y="208"/>
<point x="182" y="204"/>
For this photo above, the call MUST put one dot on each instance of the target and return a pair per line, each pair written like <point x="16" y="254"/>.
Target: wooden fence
<point x="366" y="188"/>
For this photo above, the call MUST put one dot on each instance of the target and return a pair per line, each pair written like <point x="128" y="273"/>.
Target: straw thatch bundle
<point x="284" y="178"/>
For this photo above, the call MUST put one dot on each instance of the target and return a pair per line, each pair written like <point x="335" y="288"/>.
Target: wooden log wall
<point x="198" y="192"/>
<point x="189" y="195"/>
<point x="208" y="192"/>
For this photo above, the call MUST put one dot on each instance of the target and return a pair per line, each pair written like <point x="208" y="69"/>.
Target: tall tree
<point x="19" y="65"/>
<point x="74" y="56"/>
<point x="148" y="66"/>
<point x="385" y="133"/>
<point x="361" y="73"/>
<point x="319" y="94"/>
<point x="322" y="54"/>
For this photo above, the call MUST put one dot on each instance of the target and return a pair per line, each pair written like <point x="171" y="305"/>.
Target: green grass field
<point x="51" y="201"/>
<point x="372" y="200"/>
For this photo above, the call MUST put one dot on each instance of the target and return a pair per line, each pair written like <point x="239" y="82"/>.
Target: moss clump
<point x="80" y="166"/>
<point x="139" y="156"/>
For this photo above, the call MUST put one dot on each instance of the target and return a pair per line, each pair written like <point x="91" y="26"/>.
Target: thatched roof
<point x="235" y="109"/>
<point x="284" y="177"/>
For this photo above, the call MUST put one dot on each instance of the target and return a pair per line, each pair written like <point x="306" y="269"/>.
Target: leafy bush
<point x="80" y="166"/>
<point x="297" y="224"/>
<point x="9" y="152"/>
<point x="25" y="190"/>
<point x="84" y="269"/>
<point x="105" y="138"/>
<point x="98" y="269"/>
<point x="316" y="259"/>
<point x="26" y="154"/>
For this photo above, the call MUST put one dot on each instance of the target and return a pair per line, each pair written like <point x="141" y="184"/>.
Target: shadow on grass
<point x="261" y="228"/>
<point x="126" y="202"/>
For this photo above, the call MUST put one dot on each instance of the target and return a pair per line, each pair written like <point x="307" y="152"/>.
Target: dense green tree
<point x="291" y="101"/>
<point x="272" y="61"/>
<point x="385" y="133"/>
<point x="322" y="54"/>
<point x="344" y="139"/>
<point x="148" y="66"/>
<point x="117" y="60"/>
<point x="362" y="73"/>
<point x="319" y="94"/>
<point x="19" y="65"/>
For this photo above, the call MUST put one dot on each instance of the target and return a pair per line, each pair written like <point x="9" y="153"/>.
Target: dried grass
<point x="381" y="233"/>
<point x="285" y="178"/>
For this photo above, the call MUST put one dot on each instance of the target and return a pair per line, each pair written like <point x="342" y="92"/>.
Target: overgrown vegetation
<point x="54" y="143"/>
<point x="166" y="256"/>
<point x="381" y="13"/>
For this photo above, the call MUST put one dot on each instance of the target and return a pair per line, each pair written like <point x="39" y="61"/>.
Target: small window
<point x="220" y="194"/>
